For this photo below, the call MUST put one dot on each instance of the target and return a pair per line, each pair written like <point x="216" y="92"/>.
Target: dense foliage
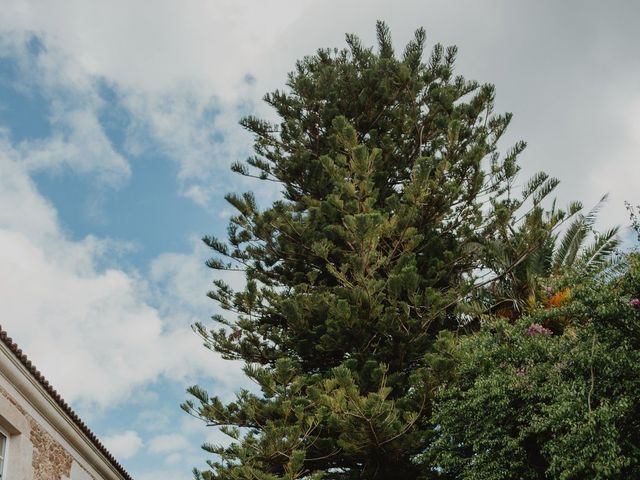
<point x="397" y="222"/>
<point x="553" y="395"/>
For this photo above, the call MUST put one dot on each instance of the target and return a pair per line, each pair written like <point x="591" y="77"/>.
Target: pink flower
<point x="635" y="302"/>
<point x="537" y="329"/>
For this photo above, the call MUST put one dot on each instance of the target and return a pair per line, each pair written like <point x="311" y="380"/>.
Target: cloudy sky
<point x="118" y="123"/>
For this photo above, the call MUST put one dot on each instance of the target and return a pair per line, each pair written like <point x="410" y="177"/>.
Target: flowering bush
<point x="564" y="408"/>
<point x="537" y="329"/>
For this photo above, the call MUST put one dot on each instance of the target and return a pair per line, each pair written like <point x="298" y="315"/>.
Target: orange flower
<point x="559" y="298"/>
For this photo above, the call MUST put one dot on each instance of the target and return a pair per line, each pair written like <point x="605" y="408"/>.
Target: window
<point x="4" y="440"/>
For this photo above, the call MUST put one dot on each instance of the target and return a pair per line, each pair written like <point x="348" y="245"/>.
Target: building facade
<point x="41" y="437"/>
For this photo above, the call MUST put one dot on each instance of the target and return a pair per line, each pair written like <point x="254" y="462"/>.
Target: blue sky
<point x="118" y="123"/>
<point x="141" y="214"/>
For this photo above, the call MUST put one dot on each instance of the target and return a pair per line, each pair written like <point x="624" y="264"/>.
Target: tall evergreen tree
<point x="395" y="204"/>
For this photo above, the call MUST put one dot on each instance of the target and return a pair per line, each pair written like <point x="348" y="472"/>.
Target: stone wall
<point x="50" y="461"/>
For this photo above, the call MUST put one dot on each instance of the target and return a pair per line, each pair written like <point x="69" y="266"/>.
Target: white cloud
<point x="169" y="443"/>
<point x="83" y="148"/>
<point x="173" y="458"/>
<point x="78" y="144"/>
<point x="181" y="74"/>
<point x="156" y="49"/>
<point x="154" y="420"/>
<point x="123" y="445"/>
<point x="174" y="67"/>
<point x="77" y="141"/>
<point x="195" y="129"/>
<point x="183" y="279"/>
<point x="29" y="212"/>
<point x="94" y="333"/>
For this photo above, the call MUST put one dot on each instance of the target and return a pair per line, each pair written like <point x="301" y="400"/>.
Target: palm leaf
<point x="570" y="242"/>
<point x="601" y="249"/>
<point x="574" y="237"/>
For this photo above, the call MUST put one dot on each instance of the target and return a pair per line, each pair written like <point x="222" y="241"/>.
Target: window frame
<point x="5" y="454"/>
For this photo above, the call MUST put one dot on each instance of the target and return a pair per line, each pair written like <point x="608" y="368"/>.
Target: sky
<point x="118" y="124"/>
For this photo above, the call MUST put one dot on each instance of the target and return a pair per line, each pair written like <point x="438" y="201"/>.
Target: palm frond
<point x="574" y="237"/>
<point x="601" y="249"/>
<point x="570" y="243"/>
<point x="590" y="218"/>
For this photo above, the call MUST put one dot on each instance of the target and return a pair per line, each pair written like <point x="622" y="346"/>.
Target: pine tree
<point x="394" y="203"/>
